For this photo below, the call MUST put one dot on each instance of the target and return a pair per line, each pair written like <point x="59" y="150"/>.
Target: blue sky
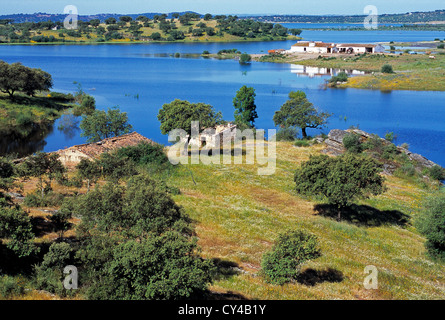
<point x="221" y="6"/>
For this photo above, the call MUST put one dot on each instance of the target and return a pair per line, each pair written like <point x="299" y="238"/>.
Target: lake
<point x="141" y="78"/>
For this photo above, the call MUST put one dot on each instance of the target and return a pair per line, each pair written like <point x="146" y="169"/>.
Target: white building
<point x="321" y="47"/>
<point x="311" y="47"/>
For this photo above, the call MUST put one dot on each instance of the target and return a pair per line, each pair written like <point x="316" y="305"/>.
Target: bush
<point x="390" y="136"/>
<point x="374" y="143"/>
<point x="62" y="97"/>
<point x="437" y="173"/>
<point x="136" y="243"/>
<point x="156" y="36"/>
<point x="245" y="58"/>
<point x="287" y="134"/>
<point x="24" y="119"/>
<point x="431" y="223"/>
<point x="10" y="287"/>
<point x="86" y="107"/>
<point x="389" y="151"/>
<point x="292" y="249"/>
<point x="405" y="146"/>
<point x="50" y="199"/>
<point x="115" y="167"/>
<point x="63" y="180"/>
<point x="408" y="170"/>
<point x="144" y="154"/>
<point x="49" y="274"/>
<point x="341" y="77"/>
<point x="387" y="69"/>
<point x="352" y="143"/>
<point x="441" y="46"/>
<point x="302" y="143"/>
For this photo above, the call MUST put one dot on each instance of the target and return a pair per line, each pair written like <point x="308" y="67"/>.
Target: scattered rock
<point x="17" y="196"/>
<point x="334" y="146"/>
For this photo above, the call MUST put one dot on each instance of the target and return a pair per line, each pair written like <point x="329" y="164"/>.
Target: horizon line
<point x="233" y="14"/>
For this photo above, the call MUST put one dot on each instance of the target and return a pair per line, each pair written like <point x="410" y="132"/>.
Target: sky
<point x="309" y="7"/>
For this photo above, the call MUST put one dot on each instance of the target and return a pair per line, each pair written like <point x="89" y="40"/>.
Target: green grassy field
<point x="238" y="216"/>
<point x="412" y="71"/>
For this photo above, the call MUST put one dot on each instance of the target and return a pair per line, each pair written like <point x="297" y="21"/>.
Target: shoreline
<point x="150" y="42"/>
<point x="412" y="72"/>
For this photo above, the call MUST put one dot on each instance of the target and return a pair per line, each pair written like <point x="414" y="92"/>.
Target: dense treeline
<point x="409" y="17"/>
<point x="159" y="28"/>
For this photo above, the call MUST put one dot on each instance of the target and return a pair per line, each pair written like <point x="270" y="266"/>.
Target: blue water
<point x="134" y="78"/>
<point x="300" y="25"/>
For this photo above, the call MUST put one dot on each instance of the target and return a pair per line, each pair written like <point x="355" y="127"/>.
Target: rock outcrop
<point x="334" y="146"/>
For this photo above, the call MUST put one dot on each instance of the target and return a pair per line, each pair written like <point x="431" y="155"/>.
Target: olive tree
<point x="299" y="112"/>
<point x="341" y="180"/>
<point x="136" y="243"/>
<point x="180" y="114"/>
<point x="102" y="124"/>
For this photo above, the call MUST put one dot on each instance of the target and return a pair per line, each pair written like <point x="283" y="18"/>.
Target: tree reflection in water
<point x="24" y="141"/>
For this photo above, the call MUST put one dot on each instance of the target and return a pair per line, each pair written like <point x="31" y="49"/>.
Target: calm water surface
<point x="141" y="78"/>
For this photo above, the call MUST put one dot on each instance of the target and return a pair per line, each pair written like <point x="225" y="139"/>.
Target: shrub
<point x="352" y="143"/>
<point x="10" y="287"/>
<point x="144" y="154"/>
<point x="389" y="136"/>
<point x="292" y="249"/>
<point x="62" y="97"/>
<point x="341" y="77"/>
<point x="287" y="134"/>
<point x="374" y="143"/>
<point x="437" y="173"/>
<point x="63" y="180"/>
<point x="245" y="58"/>
<point x="389" y="151"/>
<point x="49" y="274"/>
<point x="387" y="68"/>
<point x="115" y="167"/>
<point x="156" y="36"/>
<point x="431" y="223"/>
<point x="441" y="46"/>
<point x="24" y="119"/>
<point x="405" y="146"/>
<point x="408" y="170"/>
<point x="136" y="243"/>
<point x="302" y="143"/>
<point x="50" y="199"/>
<point x="86" y="107"/>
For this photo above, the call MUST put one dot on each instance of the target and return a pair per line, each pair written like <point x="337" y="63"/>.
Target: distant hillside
<point x="409" y="17"/>
<point x="41" y="17"/>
